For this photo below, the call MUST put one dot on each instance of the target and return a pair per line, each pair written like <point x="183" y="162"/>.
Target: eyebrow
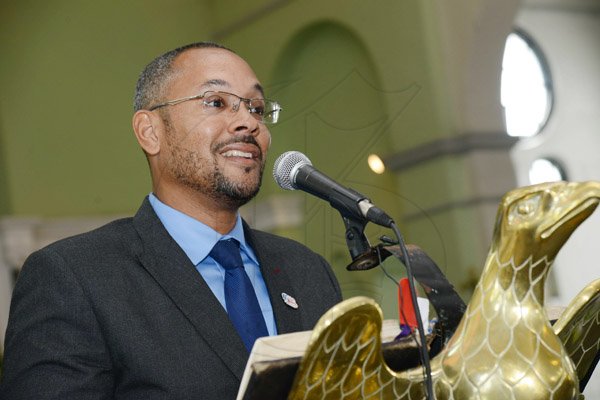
<point x="260" y="89"/>
<point x="215" y="82"/>
<point x="221" y="82"/>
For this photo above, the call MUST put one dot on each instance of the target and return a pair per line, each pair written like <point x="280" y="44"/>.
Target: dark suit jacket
<point x="121" y="312"/>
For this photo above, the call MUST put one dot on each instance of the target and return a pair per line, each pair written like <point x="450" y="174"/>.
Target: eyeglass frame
<point x="277" y="106"/>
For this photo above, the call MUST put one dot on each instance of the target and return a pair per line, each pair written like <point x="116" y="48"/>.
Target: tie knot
<point x="227" y="253"/>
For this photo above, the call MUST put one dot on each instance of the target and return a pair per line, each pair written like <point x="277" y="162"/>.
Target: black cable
<point x="401" y="307"/>
<point x="429" y="395"/>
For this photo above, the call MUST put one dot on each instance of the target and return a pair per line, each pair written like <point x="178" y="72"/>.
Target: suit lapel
<point x="175" y="273"/>
<point x="277" y="280"/>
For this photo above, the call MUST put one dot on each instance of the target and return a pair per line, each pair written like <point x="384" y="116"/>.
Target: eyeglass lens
<point x="263" y="110"/>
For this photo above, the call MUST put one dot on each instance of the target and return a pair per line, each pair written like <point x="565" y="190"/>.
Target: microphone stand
<point x="444" y="299"/>
<point x="365" y="257"/>
<point x="356" y="240"/>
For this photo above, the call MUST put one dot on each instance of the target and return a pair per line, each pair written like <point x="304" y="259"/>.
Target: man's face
<point x="223" y="155"/>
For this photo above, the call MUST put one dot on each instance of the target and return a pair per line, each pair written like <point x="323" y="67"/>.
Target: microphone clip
<point x="364" y="257"/>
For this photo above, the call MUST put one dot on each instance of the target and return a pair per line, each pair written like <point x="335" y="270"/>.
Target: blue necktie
<point x="240" y="298"/>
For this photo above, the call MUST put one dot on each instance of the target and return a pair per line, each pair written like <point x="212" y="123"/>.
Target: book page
<point x="292" y="345"/>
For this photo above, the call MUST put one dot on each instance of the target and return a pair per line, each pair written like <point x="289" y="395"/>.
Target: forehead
<point x="206" y="69"/>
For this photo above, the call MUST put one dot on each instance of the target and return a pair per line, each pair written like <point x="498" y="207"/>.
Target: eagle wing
<point x="579" y="330"/>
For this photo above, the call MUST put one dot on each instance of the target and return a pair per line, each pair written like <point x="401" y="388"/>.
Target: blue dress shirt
<point x="197" y="240"/>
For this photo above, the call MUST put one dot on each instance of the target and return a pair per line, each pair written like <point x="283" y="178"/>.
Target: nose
<point x="243" y="121"/>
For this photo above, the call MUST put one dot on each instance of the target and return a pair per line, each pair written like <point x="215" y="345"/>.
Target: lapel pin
<point x="289" y="300"/>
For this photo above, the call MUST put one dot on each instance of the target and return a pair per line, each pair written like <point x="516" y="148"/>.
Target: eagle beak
<point x="575" y="205"/>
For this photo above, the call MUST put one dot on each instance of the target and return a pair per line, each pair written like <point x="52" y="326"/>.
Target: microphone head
<point x="286" y="167"/>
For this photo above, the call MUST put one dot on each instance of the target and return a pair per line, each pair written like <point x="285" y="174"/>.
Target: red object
<point x="406" y="309"/>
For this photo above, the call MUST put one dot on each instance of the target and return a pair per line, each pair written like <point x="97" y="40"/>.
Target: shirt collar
<point x="195" y="238"/>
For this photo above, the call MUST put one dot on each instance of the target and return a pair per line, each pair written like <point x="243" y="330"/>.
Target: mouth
<point x="245" y="151"/>
<point x="581" y="212"/>
<point x="238" y="153"/>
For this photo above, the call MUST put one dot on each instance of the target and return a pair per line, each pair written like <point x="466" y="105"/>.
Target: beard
<point x="203" y="174"/>
<point x="235" y="193"/>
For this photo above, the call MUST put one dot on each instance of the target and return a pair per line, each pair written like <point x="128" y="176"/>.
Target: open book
<point x="274" y="360"/>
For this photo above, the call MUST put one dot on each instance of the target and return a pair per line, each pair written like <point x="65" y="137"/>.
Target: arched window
<point x="546" y="170"/>
<point x="526" y="86"/>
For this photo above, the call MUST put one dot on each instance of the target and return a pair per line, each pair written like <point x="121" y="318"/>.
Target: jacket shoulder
<point x="114" y="237"/>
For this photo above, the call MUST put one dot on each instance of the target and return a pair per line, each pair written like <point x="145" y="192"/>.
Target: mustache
<point x="247" y="139"/>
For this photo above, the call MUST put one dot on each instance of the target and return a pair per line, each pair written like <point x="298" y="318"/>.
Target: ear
<point x="146" y="126"/>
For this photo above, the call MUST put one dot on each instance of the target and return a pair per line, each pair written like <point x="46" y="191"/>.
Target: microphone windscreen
<point x="285" y="167"/>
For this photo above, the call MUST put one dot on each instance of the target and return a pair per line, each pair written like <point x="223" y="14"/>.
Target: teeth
<point x="237" y="153"/>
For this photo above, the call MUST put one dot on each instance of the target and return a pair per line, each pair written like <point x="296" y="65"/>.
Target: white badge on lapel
<point x="289" y="300"/>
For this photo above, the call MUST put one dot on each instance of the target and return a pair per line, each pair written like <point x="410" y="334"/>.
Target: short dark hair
<point x="152" y="81"/>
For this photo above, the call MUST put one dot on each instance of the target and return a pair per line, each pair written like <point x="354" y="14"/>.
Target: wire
<point x="401" y="305"/>
<point x="413" y="295"/>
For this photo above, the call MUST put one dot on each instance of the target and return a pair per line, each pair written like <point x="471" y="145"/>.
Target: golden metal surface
<point x="504" y="347"/>
<point x="579" y="328"/>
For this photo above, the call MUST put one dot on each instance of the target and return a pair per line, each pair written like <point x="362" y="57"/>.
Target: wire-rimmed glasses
<point x="214" y="102"/>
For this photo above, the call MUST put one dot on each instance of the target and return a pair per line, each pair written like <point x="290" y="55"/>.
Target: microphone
<point x="293" y="170"/>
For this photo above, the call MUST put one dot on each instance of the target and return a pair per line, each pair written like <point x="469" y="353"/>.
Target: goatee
<point x="235" y="194"/>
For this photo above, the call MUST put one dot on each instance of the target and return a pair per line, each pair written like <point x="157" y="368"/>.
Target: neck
<point x="506" y="286"/>
<point x="211" y="212"/>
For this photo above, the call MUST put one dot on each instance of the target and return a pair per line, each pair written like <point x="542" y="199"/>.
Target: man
<point x="140" y="308"/>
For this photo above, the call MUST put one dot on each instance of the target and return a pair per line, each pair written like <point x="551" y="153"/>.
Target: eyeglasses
<point x="265" y="111"/>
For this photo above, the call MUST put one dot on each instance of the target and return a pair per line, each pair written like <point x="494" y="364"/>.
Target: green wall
<point x="67" y="74"/>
